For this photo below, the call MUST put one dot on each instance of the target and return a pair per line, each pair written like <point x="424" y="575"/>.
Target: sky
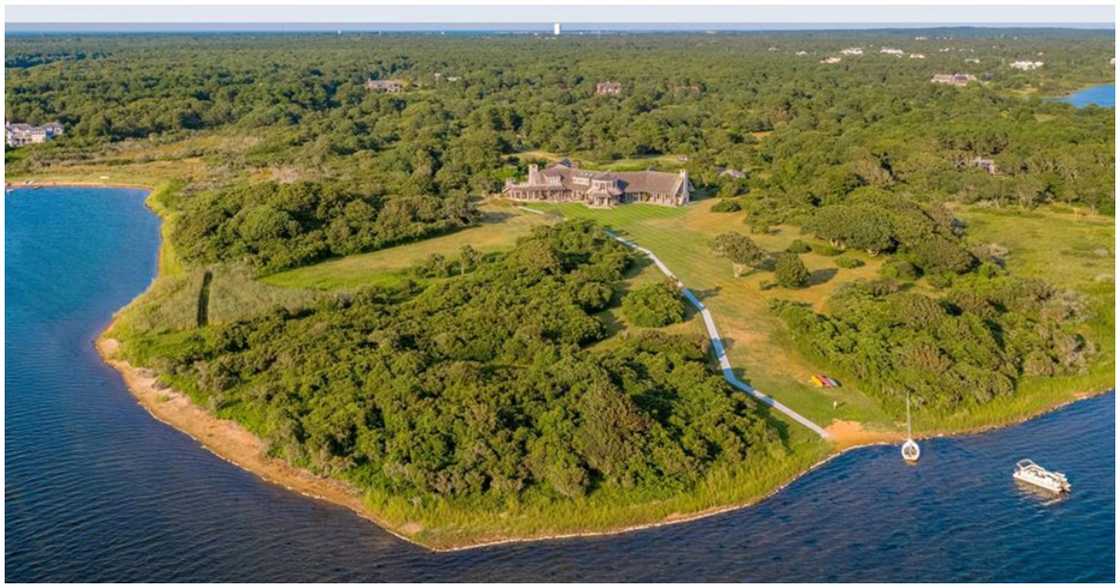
<point x="466" y="17"/>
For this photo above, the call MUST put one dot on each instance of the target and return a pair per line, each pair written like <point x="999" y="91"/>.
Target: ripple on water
<point x="97" y="490"/>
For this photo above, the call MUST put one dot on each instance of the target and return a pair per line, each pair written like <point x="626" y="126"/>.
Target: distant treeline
<point x="804" y="133"/>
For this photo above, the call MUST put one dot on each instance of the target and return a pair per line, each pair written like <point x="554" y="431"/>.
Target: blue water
<point x="97" y="490"/>
<point x="1100" y="95"/>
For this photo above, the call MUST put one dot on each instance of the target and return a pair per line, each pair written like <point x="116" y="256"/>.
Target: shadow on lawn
<point x="821" y="276"/>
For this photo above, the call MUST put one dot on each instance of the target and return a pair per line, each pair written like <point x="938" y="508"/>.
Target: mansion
<point x="564" y="183"/>
<point x="24" y="134"/>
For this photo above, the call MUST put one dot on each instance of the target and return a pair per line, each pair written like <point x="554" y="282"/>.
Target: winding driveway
<point x="717" y="344"/>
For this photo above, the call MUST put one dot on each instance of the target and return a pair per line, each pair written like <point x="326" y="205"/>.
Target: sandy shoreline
<point x="235" y="444"/>
<point x="229" y="440"/>
<point x="240" y="447"/>
<point x="16" y="184"/>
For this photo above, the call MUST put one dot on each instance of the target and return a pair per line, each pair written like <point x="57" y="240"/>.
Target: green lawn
<point x="501" y="226"/>
<point x="754" y="338"/>
<point x="1066" y="249"/>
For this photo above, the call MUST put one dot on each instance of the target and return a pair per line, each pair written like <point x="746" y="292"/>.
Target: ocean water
<point x="1104" y="95"/>
<point x="97" y="490"/>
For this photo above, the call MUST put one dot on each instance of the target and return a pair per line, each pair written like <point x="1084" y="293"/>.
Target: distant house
<point x="389" y="86"/>
<point x="1026" y="65"/>
<point x="802" y="53"/>
<point x="971" y="60"/>
<point x="564" y="183"/>
<point x="987" y="165"/>
<point x="852" y="51"/>
<point x="891" y="51"/>
<point x="831" y="60"/>
<point x="917" y="56"/>
<point x="608" y="88"/>
<point x="23" y="134"/>
<point x="732" y="173"/>
<point x="956" y="79"/>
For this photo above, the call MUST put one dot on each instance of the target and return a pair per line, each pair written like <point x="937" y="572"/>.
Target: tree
<point x="655" y="305"/>
<point x="790" y="271"/>
<point x="741" y="250"/>
<point x="469" y="258"/>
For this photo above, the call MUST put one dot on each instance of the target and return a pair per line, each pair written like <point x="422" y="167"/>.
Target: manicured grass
<point x="755" y="339"/>
<point x="643" y="273"/>
<point x="500" y="228"/>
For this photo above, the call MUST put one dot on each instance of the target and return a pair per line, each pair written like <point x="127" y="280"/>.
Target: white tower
<point x="556" y="29"/>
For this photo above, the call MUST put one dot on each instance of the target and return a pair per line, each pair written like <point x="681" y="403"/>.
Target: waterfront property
<point x="564" y="183"/>
<point x="389" y="86"/>
<point x="1026" y="65"/>
<point x="23" y="134"/>
<point x="957" y="79"/>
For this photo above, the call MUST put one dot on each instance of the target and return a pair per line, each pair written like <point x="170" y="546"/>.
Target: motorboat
<point x="1030" y="472"/>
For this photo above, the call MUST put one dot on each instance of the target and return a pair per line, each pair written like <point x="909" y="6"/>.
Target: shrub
<point x="790" y="271"/>
<point x="848" y="262"/>
<point x="741" y="250"/>
<point x="882" y="287"/>
<point x="940" y="281"/>
<point x="899" y="269"/>
<point x="798" y="246"/>
<point x="655" y="305"/>
<point x="727" y="206"/>
<point x="937" y="254"/>
<point x="827" y="250"/>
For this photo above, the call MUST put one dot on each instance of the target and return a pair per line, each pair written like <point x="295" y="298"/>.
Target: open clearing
<point x="754" y="337"/>
<point x="501" y="226"/>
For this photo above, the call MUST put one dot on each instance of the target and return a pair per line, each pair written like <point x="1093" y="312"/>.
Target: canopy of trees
<point x="278" y="226"/>
<point x="964" y="350"/>
<point x="478" y="385"/>
<point x="804" y="134"/>
<point x="655" y="305"/>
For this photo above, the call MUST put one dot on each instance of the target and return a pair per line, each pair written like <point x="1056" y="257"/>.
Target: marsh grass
<point x="448" y="523"/>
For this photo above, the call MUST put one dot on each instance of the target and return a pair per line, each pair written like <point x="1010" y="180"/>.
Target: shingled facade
<point x="564" y="183"/>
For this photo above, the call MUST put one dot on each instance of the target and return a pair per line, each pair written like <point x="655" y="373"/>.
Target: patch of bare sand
<point x="851" y="434"/>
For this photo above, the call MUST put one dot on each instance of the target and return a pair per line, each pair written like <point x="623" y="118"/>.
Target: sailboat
<point x="910" y="450"/>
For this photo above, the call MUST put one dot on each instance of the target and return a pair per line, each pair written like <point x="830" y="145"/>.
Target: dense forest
<point x="479" y="385"/>
<point x="486" y="375"/>
<point x="472" y="102"/>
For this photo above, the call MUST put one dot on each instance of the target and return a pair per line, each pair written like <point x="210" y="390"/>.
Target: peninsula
<point x="447" y="310"/>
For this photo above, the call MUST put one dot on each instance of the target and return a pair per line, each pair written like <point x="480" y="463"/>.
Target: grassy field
<point x="754" y="338"/>
<point x="501" y="226"/>
<point x="1066" y="249"/>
